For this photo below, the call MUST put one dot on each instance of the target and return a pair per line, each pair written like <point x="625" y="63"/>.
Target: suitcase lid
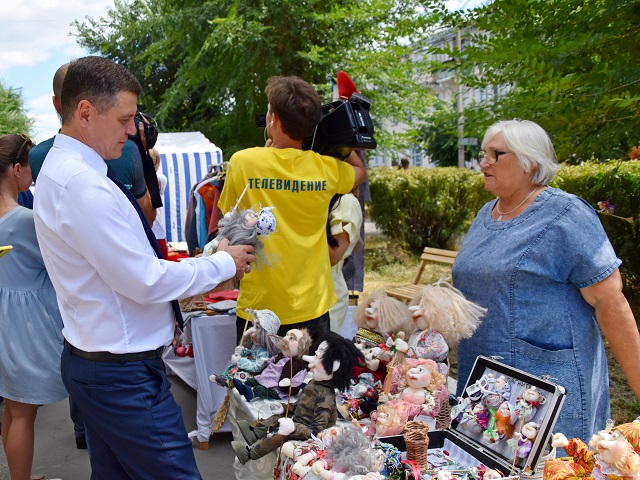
<point x="507" y="413"/>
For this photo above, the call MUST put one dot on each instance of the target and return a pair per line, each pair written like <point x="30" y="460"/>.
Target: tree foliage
<point x="204" y="64"/>
<point x="13" y="118"/>
<point x="570" y="65"/>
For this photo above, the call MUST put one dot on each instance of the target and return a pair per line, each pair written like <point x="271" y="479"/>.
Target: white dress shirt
<point x="114" y="293"/>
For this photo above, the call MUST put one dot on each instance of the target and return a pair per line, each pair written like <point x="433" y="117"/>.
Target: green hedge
<point x="423" y="207"/>
<point x="620" y="182"/>
<point x="435" y="206"/>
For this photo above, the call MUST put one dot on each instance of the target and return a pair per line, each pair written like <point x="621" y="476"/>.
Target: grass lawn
<point x="387" y="264"/>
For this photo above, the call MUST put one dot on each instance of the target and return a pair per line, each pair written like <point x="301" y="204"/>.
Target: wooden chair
<point x="406" y="292"/>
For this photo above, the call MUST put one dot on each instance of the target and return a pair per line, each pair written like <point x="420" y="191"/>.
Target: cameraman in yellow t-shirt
<point x="298" y="284"/>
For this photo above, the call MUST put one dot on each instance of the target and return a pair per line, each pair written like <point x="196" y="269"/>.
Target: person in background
<point x="116" y="297"/>
<point x="159" y="224"/>
<point x="128" y="166"/>
<point x="299" y="184"/>
<point x="404" y="163"/>
<point x="30" y="323"/>
<point x="343" y="234"/>
<point x="539" y="260"/>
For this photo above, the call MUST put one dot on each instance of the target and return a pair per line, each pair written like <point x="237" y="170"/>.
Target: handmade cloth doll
<point x="492" y="402"/>
<point x="476" y="419"/>
<point x="614" y="455"/>
<point x="419" y="393"/>
<point x="300" y="456"/>
<point x="442" y="317"/>
<point x="244" y="228"/>
<point x="350" y="456"/>
<point x="259" y="343"/>
<point x="315" y="409"/>
<point x="502" y="387"/>
<point x="528" y="402"/>
<point x="505" y="421"/>
<point x="361" y="397"/>
<point x="383" y="314"/>
<point x="522" y="441"/>
<point x="423" y="380"/>
<point x="284" y="373"/>
<point x="379" y="317"/>
<point x="418" y="383"/>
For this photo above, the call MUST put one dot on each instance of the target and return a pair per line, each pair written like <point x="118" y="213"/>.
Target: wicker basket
<point x="443" y="419"/>
<point x="416" y="438"/>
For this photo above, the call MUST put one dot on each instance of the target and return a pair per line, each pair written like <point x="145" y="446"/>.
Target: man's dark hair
<point x="297" y="105"/>
<point x="98" y="80"/>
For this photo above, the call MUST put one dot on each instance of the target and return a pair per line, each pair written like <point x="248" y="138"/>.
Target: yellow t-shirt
<point x="298" y="286"/>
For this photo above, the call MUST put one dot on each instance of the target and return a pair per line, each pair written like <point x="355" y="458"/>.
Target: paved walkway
<point x="57" y="457"/>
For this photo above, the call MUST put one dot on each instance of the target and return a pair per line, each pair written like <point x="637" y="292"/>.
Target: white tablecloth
<point x="213" y="340"/>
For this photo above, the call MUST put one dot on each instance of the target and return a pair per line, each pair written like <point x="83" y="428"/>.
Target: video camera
<point x="150" y="129"/>
<point x="148" y="168"/>
<point x="346" y="125"/>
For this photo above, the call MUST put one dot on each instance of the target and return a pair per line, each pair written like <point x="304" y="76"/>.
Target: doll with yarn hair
<point x="244" y="227"/>
<point x="339" y="452"/>
<point x="383" y="314"/>
<point x="442" y="317"/>
<point x="350" y="456"/>
<point x="259" y="343"/>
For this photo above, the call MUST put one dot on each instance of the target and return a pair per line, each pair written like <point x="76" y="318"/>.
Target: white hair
<point x="531" y="145"/>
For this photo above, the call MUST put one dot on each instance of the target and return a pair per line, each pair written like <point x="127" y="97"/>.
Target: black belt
<point x="115" y="357"/>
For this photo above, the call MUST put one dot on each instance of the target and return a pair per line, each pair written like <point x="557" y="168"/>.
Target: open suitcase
<point x="487" y="437"/>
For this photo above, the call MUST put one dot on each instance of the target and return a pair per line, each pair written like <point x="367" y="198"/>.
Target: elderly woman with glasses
<point x="30" y="323"/>
<point x="539" y="260"/>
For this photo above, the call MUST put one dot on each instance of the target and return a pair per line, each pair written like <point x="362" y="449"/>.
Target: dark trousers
<point x="316" y="327"/>
<point x="76" y="417"/>
<point x="133" y="423"/>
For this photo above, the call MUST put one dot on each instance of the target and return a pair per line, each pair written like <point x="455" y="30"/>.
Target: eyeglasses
<point x="486" y="156"/>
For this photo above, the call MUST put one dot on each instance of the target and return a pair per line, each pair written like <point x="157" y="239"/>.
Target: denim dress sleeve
<point x="528" y="272"/>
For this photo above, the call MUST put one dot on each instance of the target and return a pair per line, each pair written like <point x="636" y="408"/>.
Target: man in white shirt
<point x="114" y="293"/>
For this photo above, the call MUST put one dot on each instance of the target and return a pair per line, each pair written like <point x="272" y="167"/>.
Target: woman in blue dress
<point x="539" y="260"/>
<point x="31" y="338"/>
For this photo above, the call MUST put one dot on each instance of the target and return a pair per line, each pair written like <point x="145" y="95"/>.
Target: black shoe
<point x="81" y="443"/>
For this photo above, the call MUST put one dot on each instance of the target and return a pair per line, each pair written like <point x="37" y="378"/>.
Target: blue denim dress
<point x="527" y="272"/>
